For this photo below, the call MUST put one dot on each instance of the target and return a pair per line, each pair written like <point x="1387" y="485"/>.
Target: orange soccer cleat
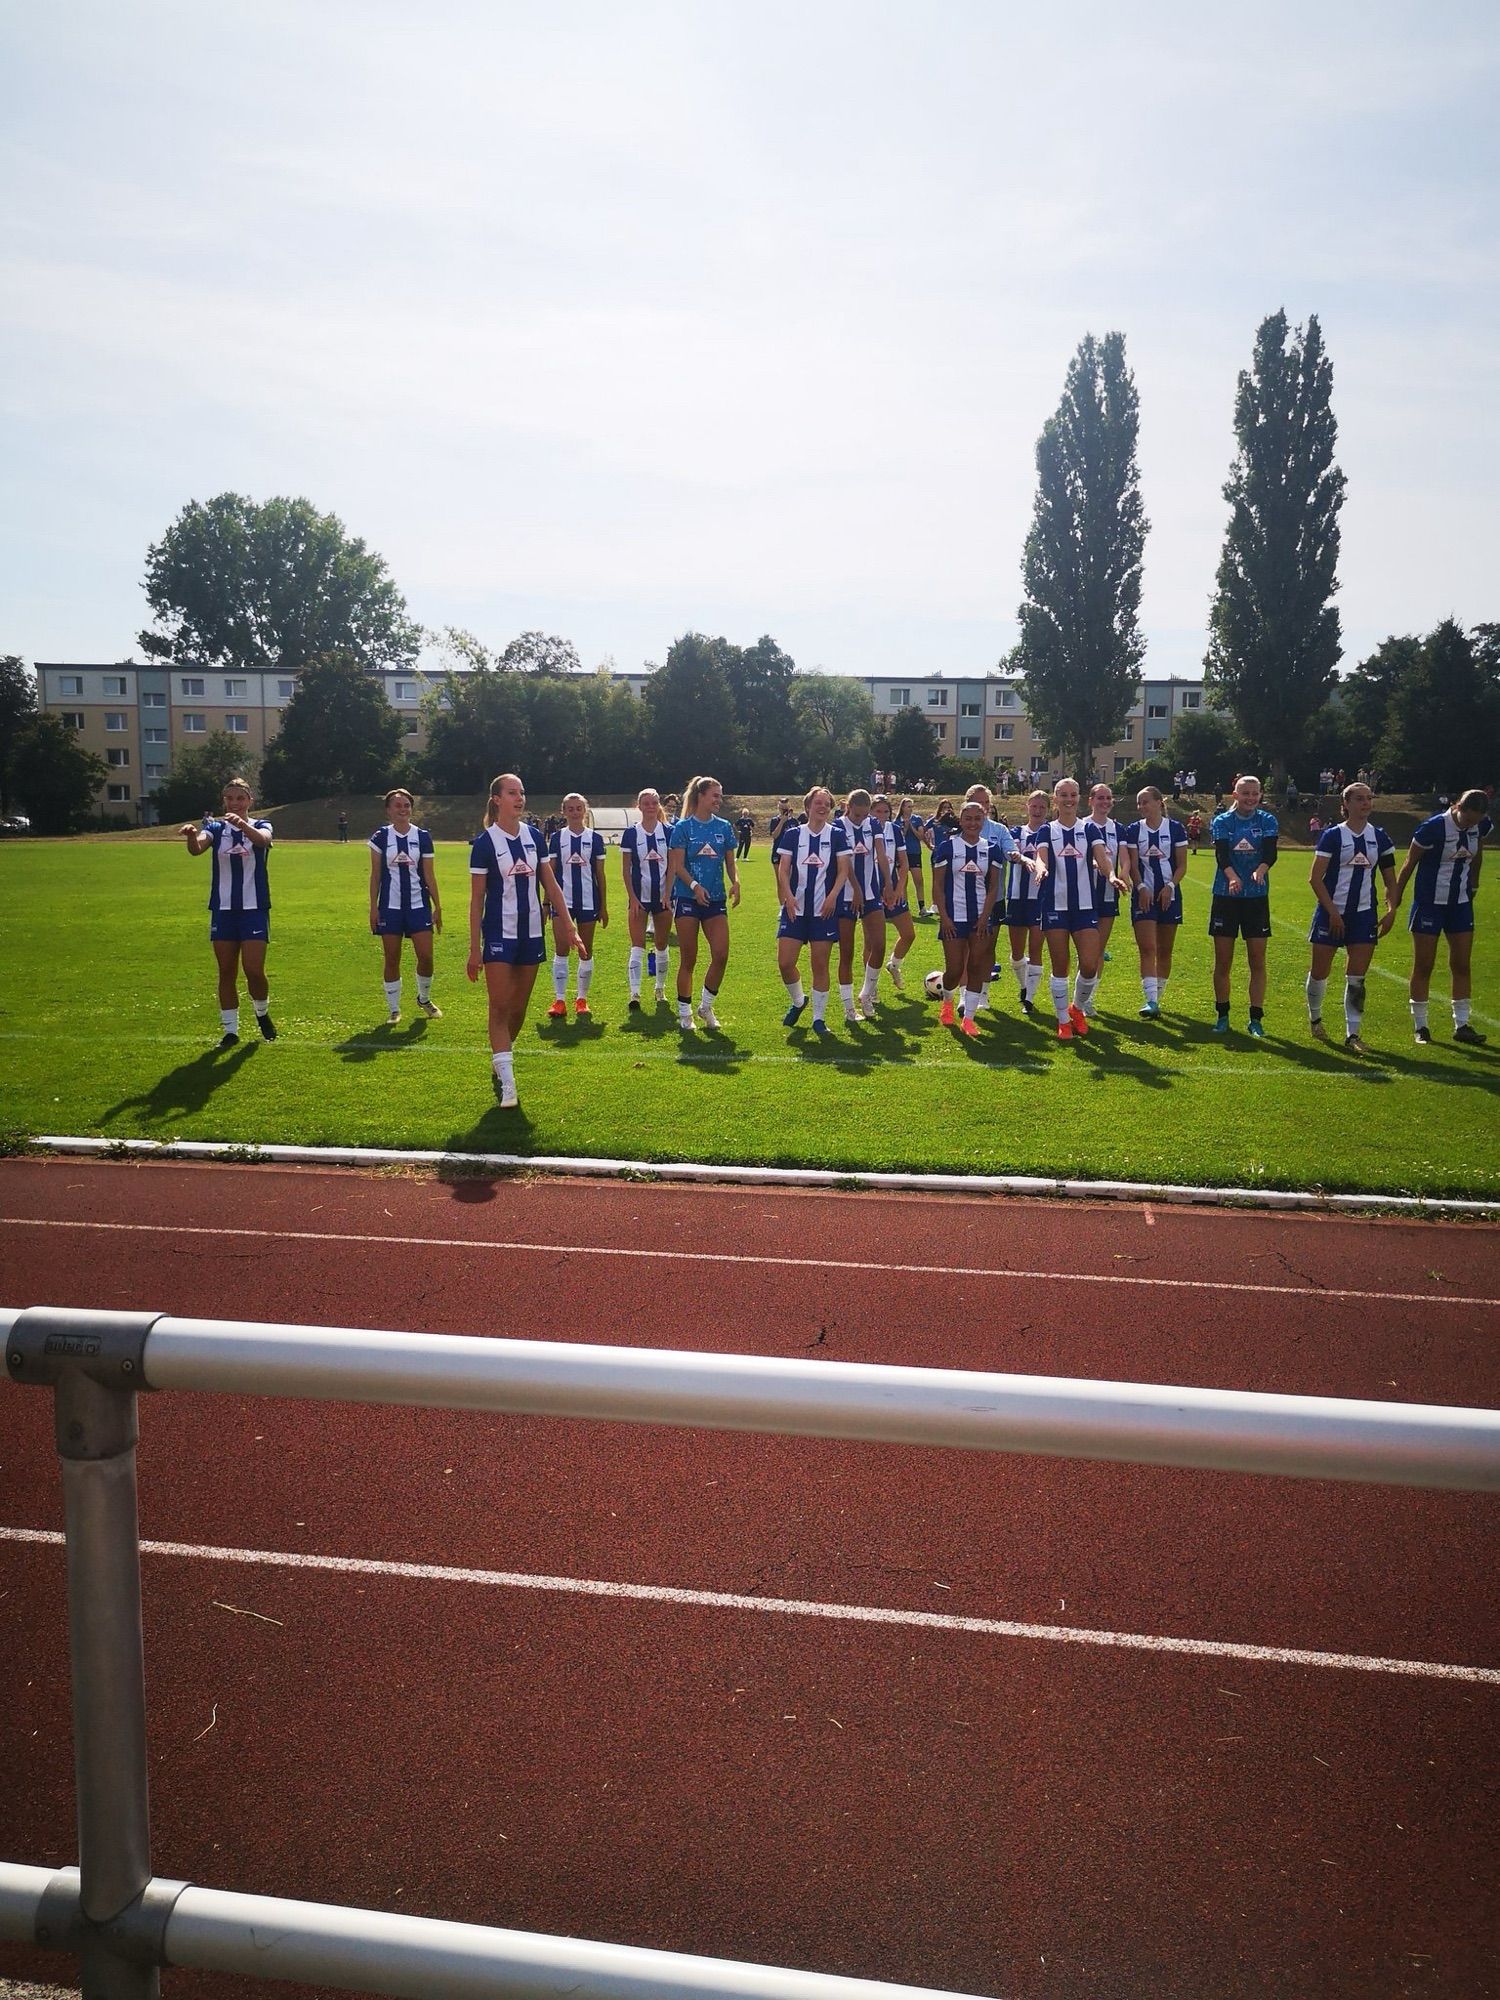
<point x="1079" y="1019"/>
<point x="1065" y="1031"/>
<point x="581" y="1008"/>
<point x="970" y="1026"/>
<point x="945" y="1015"/>
<point x="558" y="1011"/>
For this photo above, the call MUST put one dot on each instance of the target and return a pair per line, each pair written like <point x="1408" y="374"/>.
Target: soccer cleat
<point x="661" y="994"/>
<point x="851" y="1017"/>
<point x="229" y="1039"/>
<point x="1470" y="1035"/>
<point x="945" y="1014"/>
<point x="1258" y="1030"/>
<point x="893" y="967"/>
<point x="969" y="1026"/>
<point x="1423" y="1035"/>
<point x="1221" y="1024"/>
<point x="1109" y="958"/>
<point x="932" y="909"/>
<point x="1065" y="1031"/>
<point x="1316" y="1029"/>
<point x="431" y="1009"/>
<point x="505" y="1091"/>
<point x="793" y="1014"/>
<point x="267" y="1027"/>
<point x="1028" y="1008"/>
<point x="393" y="1017"/>
<point x="1149" y="1011"/>
<point x="635" y="1003"/>
<point x="869" y="1007"/>
<point x="581" y="1009"/>
<point x="1079" y="1019"/>
<point x="822" y="1030"/>
<point x="558" y="1011"/>
<point x="707" y="1016"/>
<point x="1355" y="1046"/>
<point x="685" y="1021"/>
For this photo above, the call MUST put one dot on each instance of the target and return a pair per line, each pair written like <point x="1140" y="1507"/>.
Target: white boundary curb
<point x="807" y="1177"/>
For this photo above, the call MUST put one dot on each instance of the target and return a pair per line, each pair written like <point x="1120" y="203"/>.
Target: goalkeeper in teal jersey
<point x="1244" y="840"/>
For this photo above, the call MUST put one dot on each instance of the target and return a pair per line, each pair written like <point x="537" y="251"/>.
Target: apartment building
<point x="136" y="717"/>
<point x="986" y="717"/>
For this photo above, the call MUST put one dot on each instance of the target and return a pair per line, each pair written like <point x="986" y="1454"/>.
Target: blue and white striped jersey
<point x="509" y="863"/>
<point x="648" y="861"/>
<point x="1353" y="859"/>
<point x="1071" y="883"/>
<point x="1111" y="833"/>
<point x="238" y="879"/>
<point x="1155" y="851"/>
<point x="1019" y="886"/>
<point x="894" y="843"/>
<point x="813" y="859"/>
<point x="865" y="847"/>
<point x="402" y="886"/>
<point x="967" y="867"/>
<point x="573" y="857"/>
<point x="1442" y="877"/>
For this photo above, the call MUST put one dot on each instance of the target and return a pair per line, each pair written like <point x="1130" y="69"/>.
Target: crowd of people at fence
<point x="853" y="878"/>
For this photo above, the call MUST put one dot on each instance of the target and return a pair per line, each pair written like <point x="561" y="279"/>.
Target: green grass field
<point x="108" y="1022"/>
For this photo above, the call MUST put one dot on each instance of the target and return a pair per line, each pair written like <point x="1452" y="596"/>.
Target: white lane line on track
<point x="792" y="1607"/>
<point x="743" y="1257"/>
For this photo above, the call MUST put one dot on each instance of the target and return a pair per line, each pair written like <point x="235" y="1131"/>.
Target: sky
<point x="731" y="315"/>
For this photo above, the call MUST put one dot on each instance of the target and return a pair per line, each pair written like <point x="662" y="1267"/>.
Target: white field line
<point x="1400" y="979"/>
<point x="867" y="1266"/>
<point x="791" y="1607"/>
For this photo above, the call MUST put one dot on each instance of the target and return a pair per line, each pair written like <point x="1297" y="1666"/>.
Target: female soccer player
<point x="577" y="855"/>
<point x="404" y="900"/>
<point x="862" y="903"/>
<point x="812" y="869"/>
<point x="1072" y="867"/>
<point x="1156" y="854"/>
<point x="1022" y="909"/>
<point x="913" y="829"/>
<point x="643" y="865"/>
<point x="700" y="854"/>
<point x="997" y="833"/>
<point x="966" y="882"/>
<point x="239" y="906"/>
<point x="1343" y="880"/>
<point x="506" y="867"/>
<point x="1244" y="840"/>
<point x="1101" y="827"/>
<point x="898" y="910"/>
<point x="1445" y="855"/>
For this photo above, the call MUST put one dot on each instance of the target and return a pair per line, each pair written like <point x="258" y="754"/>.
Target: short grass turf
<point x="108" y="1021"/>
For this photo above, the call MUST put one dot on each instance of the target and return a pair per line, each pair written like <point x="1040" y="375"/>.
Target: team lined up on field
<point x="1055" y="881"/>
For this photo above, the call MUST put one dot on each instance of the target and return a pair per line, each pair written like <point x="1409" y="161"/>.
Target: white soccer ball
<point x="932" y="986"/>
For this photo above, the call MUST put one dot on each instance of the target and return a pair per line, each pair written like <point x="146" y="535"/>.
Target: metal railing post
<point x="92" y="1362"/>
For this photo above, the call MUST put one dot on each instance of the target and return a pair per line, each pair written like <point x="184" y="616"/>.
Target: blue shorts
<point x="808" y="930"/>
<point x="580" y="916"/>
<point x="655" y="908"/>
<point x="997" y="915"/>
<point x="699" y="912"/>
<point x="1109" y="903"/>
<point x="900" y="908"/>
<point x="239" y="926"/>
<point x="914" y="854"/>
<point x="1363" y="927"/>
<point x="514" y="951"/>
<point x="402" y="923"/>
<point x="849" y="915"/>
<point x="1156" y="914"/>
<point x="1069" y="920"/>
<point x="964" y="927"/>
<point x="1023" y="913"/>
<point x="1430" y="921"/>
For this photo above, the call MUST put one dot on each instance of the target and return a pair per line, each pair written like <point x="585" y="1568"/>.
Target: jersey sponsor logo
<point x="707" y="852"/>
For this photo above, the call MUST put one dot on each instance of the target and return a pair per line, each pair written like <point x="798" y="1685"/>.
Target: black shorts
<point x="1240" y="916"/>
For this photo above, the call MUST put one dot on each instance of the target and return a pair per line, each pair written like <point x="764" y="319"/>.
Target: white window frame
<point x="236" y="690"/>
<point x="153" y="698"/>
<point x="898" y="697"/>
<point x="937" y="697"/>
<point x="404" y="690"/>
<point x="1005" y="732"/>
<point x="154" y="733"/>
<point x="1192" y="700"/>
<point x="117" y="795"/>
<point x="285" y="689"/>
<point x="237" y="724"/>
<point x="73" y="718"/>
<point x="116" y="721"/>
<point x="116" y="687"/>
<point x="117" y="760"/>
<point x="969" y="743"/>
<point x="156" y="770"/>
<point x="969" y="709"/>
<point x="70" y="684"/>
<point x="194" y="724"/>
<point x="192" y="687"/>
<point x="1156" y="711"/>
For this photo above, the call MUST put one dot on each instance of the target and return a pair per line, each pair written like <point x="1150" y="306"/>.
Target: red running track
<point x="1004" y="1815"/>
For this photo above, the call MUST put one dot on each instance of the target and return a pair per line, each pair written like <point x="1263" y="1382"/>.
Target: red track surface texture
<point x="1010" y="1816"/>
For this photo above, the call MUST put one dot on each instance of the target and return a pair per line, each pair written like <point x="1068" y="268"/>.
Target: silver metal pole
<point x="1318" y="1437"/>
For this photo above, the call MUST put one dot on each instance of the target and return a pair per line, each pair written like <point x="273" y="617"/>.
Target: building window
<point x="192" y="686"/>
<point x="236" y="690"/>
<point x="72" y="718"/>
<point x="1007" y="697"/>
<point x="410" y="725"/>
<point x="1155" y="742"/>
<point x="1004" y="731"/>
<point x="284" y="690"/>
<point x="156" y="771"/>
<point x="968" y="708"/>
<point x="899" y="697"/>
<point x="1120" y="763"/>
<point x="150" y="735"/>
<point x="153" y="700"/>
<point x="1130" y="732"/>
<point x="405" y="691"/>
<point x="114" y="720"/>
<point x="940" y="731"/>
<point x="114" y="684"/>
<point x="937" y="697"/>
<point x="192" y="725"/>
<point x="968" y="742"/>
<point x="117" y="759"/>
<point x="237" y="725"/>
<point x="1156" y="710"/>
<point x="70" y="683"/>
<point x="1192" y="700"/>
<point x="118" y="795"/>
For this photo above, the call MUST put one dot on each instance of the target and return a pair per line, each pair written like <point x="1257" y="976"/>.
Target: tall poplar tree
<point x="1080" y="652"/>
<point x="1273" y="630"/>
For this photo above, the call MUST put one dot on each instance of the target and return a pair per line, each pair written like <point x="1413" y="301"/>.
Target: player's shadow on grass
<point x="1104" y="1056"/>
<point x="391" y="1038"/>
<point x="185" y="1089"/>
<point x="713" y="1050"/>
<point x="495" y="1131"/>
<point x="653" y="1023"/>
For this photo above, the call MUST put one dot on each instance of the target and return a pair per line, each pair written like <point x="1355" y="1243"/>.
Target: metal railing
<point x="124" y="1922"/>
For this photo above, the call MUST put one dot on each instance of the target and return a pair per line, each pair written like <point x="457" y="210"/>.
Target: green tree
<point x="904" y="743"/>
<point x="270" y="585"/>
<point x="690" y="720"/>
<point x="338" y="734"/>
<point x="836" y="720"/>
<point x="478" y="725"/>
<point x="1365" y="697"/>
<point x="1080" y="651"/>
<point x="17" y="706"/>
<point x="760" y="679"/>
<point x="1273" y="629"/>
<point x="199" y="774"/>
<point x="561" y="752"/>
<point x="1211" y="743"/>
<point x="540" y="653"/>
<point x="616" y="733"/>
<point x="56" y="781"/>
<point x="1442" y="729"/>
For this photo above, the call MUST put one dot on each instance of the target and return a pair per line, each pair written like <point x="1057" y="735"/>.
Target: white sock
<point x="950" y="994"/>
<point x="1018" y="968"/>
<point x="846" y="994"/>
<point x="1316" y="988"/>
<point x="663" y="966"/>
<point x="972" y="1001"/>
<point x="424" y="987"/>
<point x="1033" y="980"/>
<point x="1060" y="997"/>
<point x="685" y="1010"/>
<point x="585" y="977"/>
<point x="1161" y="988"/>
<point x="393" y="994"/>
<point x="637" y="961"/>
<point x="1084" y="991"/>
<point x="263" y="1007"/>
<point x="709" y="996"/>
<point x="1460" y="1013"/>
<point x="503" y="1063"/>
<point x="871" y="985"/>
<point x="794" y="991"/>
<point x="559" y="978"/>
<point x="1151" y="988"/>
<point x="1418" y="1013"/>
<point x="1354" y="1004"/>
<point x="230" y="1016"/>
<point x="820" y="1003"/>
